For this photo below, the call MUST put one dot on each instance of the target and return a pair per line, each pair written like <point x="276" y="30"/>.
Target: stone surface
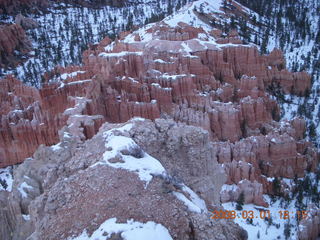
<point x="13" y="44"/>
<point x="65" y="180"/>
<point x="309" y="227"/>
<point x="26" y="23"/>
<point x="175" y="73"/>
<point x="180" y="78"/>
<point x="13" y="7"/>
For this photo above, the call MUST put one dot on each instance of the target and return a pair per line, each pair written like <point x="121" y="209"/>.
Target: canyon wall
<point x="14" y="43"/>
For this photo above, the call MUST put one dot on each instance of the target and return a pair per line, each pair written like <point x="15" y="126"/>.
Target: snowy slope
<point x="65" y="32"/>
<point x="293" y="27"/>
<point x="131" y="230"/>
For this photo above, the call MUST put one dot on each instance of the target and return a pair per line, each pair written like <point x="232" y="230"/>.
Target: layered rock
<point x="309" y="227"/>
<point x="14" y="43"/>
<point x="13" y="7"/>
<point x="218" y="125"/>
<point x="30" y="117"/>
<point x="26" y="23"/>
<point x="62" y="180"/>
<point x="181" y="72"/>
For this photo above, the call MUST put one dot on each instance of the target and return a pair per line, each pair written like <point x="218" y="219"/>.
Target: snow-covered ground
<point x="123" y="152"/>
<point x="23" y="188"/>
<point x="131" y="230"/>
<point x="264" y="229"/>
<point x="302" y="54"/>
<point x="274" y="229"/>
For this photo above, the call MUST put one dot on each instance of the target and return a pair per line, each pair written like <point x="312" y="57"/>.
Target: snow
<point x="133" y="80"/>
<point x="26" y="217"/>
<point x="270" y="179"/>
<point x="203" y="36"/>
<point x="56" y="147"/>
<point x="175" y="77"/>
<point x="191" y="205"/>
<point x="160" y="61"/>
<point x="290" y="107"/>
<point x="143" y="34"/>
<point x="23" y="186"/>
<point x="266" y="231"/>
<point x="63" y="31"/>
<point x="195" y="203"/>
<point x="70" y="75"/>
<point x="120" y="54"/>
<point x="110" y="47"/>
<point x="79" y="82"/>
<point x="186" y="47"/>
<point x="229" y="188"/>
<point x="187" y="15"/>
<point x="6" y="176"/>
<point x="131" y="230"/>
<point x="145" y="167"/>
<point x="159" y="86"/>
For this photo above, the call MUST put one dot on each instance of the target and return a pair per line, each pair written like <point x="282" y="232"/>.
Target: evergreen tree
<point x="240" y="201"/>
<point x="287" y="230"/>
<point x="169" y="8"/>
<point x="3" y="183"/>
<point x="312" y="131"/>
<point x="276" y="186"/>
<point x="178" y="5"/>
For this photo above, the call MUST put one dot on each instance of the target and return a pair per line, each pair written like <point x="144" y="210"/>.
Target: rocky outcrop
<point x="14" y="43"/>
<point x="53" y="188"/>
<point x="213" y="131"/>
<point x="30" y="117"/>
<point x="179" y="73"/>
<point x="13" y="7"/>
<point x="309" y="227"/>
<point x="194" y="157"/>
<point x="26" y="23"/>
<point x="253" y="193"/>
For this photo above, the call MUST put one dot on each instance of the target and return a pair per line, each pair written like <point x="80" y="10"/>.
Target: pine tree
<point x="312" y="131"/>
<point x="3" y="183"/>
<point x="169" y="8"/>
<point x="178" y="5"/>
<point x="276" y="186"/>
<point x="287" y="230"/>
<point x="240" y="201"/>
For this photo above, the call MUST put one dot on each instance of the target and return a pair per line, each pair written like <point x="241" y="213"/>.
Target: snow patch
<point x="119" y="54"/>
<point x="131" y="230"/>
<point x="141" y="163"/>
<point x="23" y="186"/>
<point x="64" y="76"/>
<point x="195" y="203"/>
<point x="26" y="217"/>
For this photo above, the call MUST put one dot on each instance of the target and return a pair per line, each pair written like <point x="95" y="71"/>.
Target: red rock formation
<point x="309" y="228"/>
<point x="12" y="38"/>
<point x="176" y="72"/>
<point x="252" y="193"/>
<point x="13" y="6"/>
<point x="26" y="23"/>
<point x="30" y="117"/>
